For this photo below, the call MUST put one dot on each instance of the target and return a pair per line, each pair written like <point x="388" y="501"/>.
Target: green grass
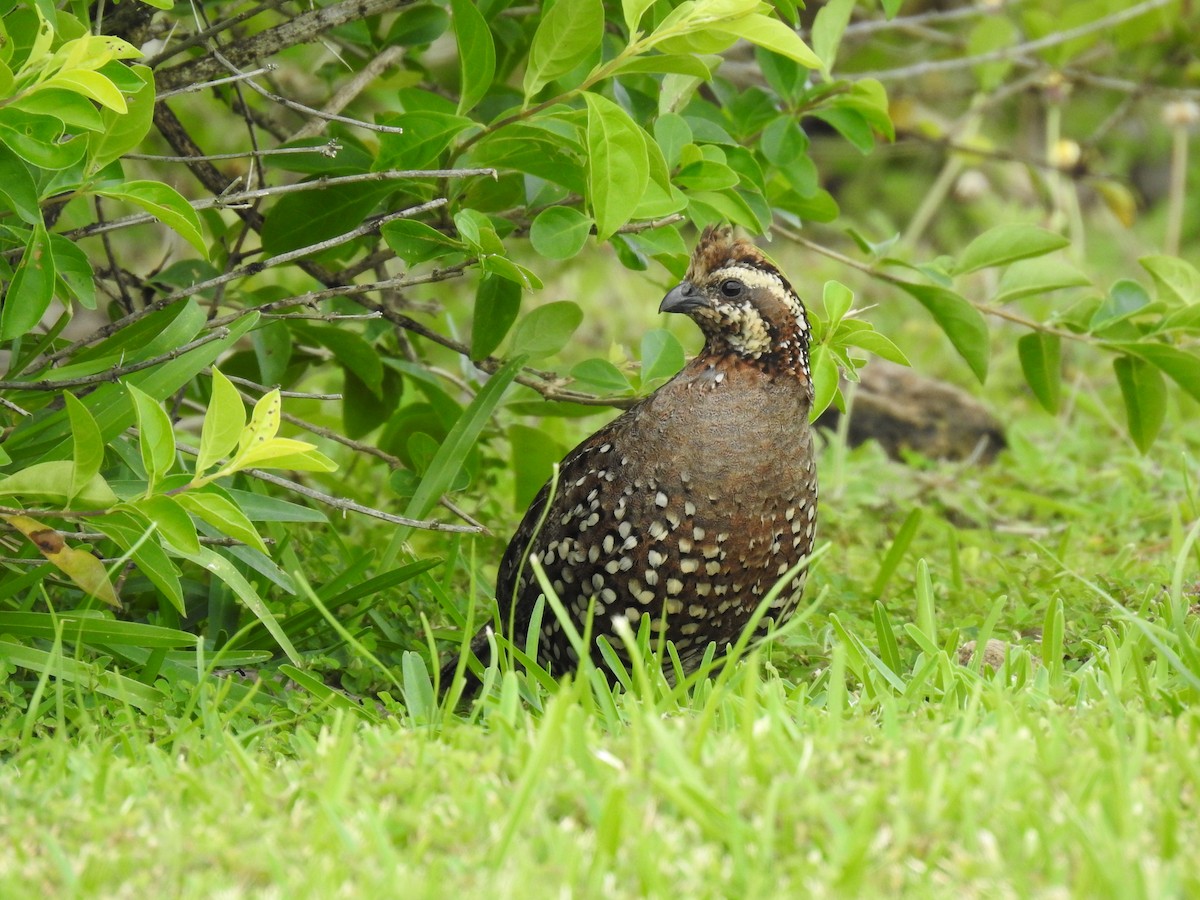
<point x="858" y="757"/>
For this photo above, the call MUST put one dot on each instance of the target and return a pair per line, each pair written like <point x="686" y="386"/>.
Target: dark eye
<point x="732" y="288"/>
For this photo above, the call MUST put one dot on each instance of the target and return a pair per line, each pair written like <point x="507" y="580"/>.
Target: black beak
<point x="682" y="298"/>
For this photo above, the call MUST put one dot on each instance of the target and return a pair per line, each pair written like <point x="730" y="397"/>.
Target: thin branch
<point x="8" y="404"/>
<point x="301" y="29"/>
<point x="216" y="82"/>
<point x="351" y="506"/>
<point x="933" y="17"/>
<point x="312" y="298"/>
<point x="235" y="200"/>
<point x="351" y="89"/>
<point x="867" y="268"/>
<point x="330" y="149"/>
<point x="262" y="389"/>
<point x="918" y="70"/>
<point x="199" y="37"/>
<point x="50" y="384"/>
<point x="322" y="317"/>
<point x="241" y="272"/>
<point x="308" y="110"/>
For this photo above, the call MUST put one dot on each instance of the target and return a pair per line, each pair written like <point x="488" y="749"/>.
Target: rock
<point x="906" y="411"/>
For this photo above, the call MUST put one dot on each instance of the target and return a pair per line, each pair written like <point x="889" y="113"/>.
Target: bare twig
<point x="50" y="384"/>
<point x="997" y="311"/>
<point x="8" y="404"/>
<point x="312" y="298"/>
<point x="351" y="506"/>
<point x="330" y="148"/>
<point x="233" y="200"/>
<point x="322" y="317"/>
<point x="918" y="70"/>
<point x="241" y="272"/>
<point x="216" y="82"/>
<point x="300" y="107"/>
<point x="200" y="37"/>
<point x="351" y="89"/>
<point x="302" y="29"/>
<point x="262" y="389"/>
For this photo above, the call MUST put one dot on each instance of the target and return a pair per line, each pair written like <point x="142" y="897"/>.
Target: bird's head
<point x="743" y="304"/>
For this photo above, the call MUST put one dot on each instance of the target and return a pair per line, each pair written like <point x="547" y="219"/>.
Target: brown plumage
<point x="691" y="504"/>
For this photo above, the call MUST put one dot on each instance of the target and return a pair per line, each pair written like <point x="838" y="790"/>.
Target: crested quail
<point x="694" y="502"/>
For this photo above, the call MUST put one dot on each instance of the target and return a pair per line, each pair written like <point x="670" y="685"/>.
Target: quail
<point x="693" y="503"/>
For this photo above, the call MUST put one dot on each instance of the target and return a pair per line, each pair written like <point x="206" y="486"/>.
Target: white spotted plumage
<point x="677" y="509"/>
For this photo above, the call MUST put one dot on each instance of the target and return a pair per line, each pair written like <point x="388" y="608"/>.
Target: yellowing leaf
<point x="223" y="423"/>
<point x="87" y="572"/>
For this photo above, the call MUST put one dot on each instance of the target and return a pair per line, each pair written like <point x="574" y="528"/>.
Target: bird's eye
<point x="732" y="288"/>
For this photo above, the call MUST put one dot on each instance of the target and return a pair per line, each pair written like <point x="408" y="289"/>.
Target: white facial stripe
<point x="764" y="278"/>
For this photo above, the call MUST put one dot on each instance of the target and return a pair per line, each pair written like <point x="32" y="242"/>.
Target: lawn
<point x="857" y="756"/>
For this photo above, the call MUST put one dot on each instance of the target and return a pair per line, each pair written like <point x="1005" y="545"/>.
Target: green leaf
<point x="135" y="535"/>
<point x="662" y="356"/>
<point x="86" y="443"/>
<point x="1145" y="396"/>
<point x="1037" y="276"/>
<point x="504" y="267"/>
<point x="17" y="187"/>
<point x="633" y="10"/>
<point x="71" y="265"/>
<point x="567" y="35"/>
<point x="546" y="330"/>
<point x="51" y="481"/>
<point x="88" y="676"/>
<point x="602" y="376"/>
<point x="672" y="133"/>
<point x="1173" y="277"/>
<point x="618" y="167"/>
<point x="415" y="242"/>
<point x="532" y="459"/>
<point x="559" y="232"/>
<point x="497" y="303"/>
<point x="477" y="230"/>
<point x="476" y="53"/>
<point x="223" y="423"/>
<point x="871" y="341"/>
<point x="837" y="299"/>
<point x="309" y="217"/>
<point x="166" y="204"/>
<point x="1125" y="299"/>
<point x="773" y="35"/>
<point x="418" y="25"/>
<point x="123" y="132"/>
<point x="827" y="30"/>
<point x="228" y="573"/>
<point x="32" y="287"/>
<point x="1179" y="365"/>
<point x="156" y="437"/>
<point x="963" y="324"/>
<point x="825" y="380"/>
<point x="172" y="521"/>
<point x="353" y="351"/>
<point x="448" y="460"/>
<point x="38" y="139"/>
<point x="1008" y="243"/>
<point x="221" y="514"/>
<point x="93" y="628"/>
<point x="1041" y="361"/>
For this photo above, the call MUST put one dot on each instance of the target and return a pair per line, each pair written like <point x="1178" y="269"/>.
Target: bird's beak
<point x="682" y="298"/>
